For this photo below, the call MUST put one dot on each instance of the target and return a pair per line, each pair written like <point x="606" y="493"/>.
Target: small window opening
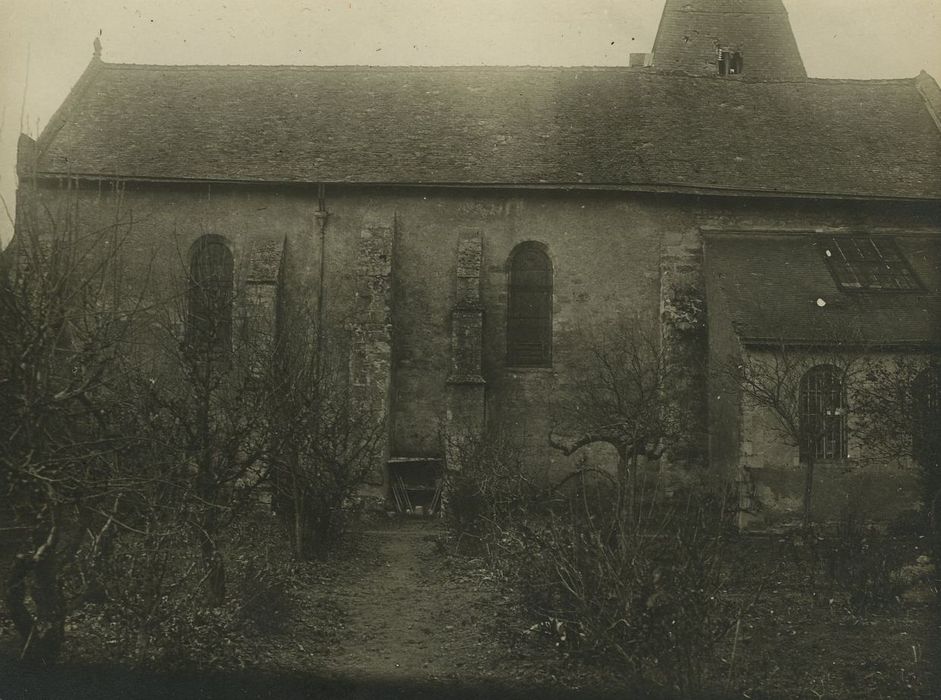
<point x="730" y="62"/>
<point x="867" y="263"/>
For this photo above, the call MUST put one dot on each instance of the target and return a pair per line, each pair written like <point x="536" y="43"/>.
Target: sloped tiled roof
<point x="771" y="285"/>
<point x="491" y="126"/>
<point x="690" y="31"/>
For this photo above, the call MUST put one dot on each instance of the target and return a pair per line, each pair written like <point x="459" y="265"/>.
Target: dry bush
<point x="152" y="610"/>
<point x="489" y="494"/>
<point x="330" y="446"/>
<point x="864" y="564"/>
<point x="642" y="588"/>
<point x="617" y="575"/>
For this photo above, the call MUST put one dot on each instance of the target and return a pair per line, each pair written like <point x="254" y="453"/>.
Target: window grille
<point x="822" y="414"/>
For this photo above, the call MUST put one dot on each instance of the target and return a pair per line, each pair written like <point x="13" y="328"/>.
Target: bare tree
<point x="207" y="401"/>
<point x="60" y="332"/>
<point x="620" y="397"/>
<point x="329" y="446"/>
<point x="898" y="407"/>
<point x="803" y="391"/>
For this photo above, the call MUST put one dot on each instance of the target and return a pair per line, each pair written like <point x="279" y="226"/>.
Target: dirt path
<point x="410" y="617"/>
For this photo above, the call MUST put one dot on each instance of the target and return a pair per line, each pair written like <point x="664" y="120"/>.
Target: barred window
<point x="529" y="312"/>
<point x="822" y="414"/>
<point x="209" y="303"/>
<point x="868" y="263"/>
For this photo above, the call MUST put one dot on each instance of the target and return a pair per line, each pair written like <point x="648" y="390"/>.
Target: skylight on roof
<point x="868" y="263"/>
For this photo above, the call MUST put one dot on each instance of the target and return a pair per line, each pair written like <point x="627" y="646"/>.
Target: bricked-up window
<point x="529" y="313"/>
<point x="926" y="400"/>
<point x="868" y="263"/>
<point x="823" y="414"/>
<point x="730" y="62"/>
<point x="209" y="303"/>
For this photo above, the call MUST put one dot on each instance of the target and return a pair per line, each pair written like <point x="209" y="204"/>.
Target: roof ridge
<point x="855" y="81"/>
<point x="488" y="67"/>
<point x="352" y="66"/>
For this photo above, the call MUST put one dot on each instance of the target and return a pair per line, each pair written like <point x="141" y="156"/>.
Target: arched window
<point x="926" y="417"/>
<point x="822" y="414"/>
<point x="209" y="302"/>
<point x="529" y="308"/>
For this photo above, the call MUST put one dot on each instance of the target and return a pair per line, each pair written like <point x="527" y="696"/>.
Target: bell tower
<point x="749" y="38"/>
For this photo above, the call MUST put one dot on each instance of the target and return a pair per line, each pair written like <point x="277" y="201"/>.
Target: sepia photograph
<point x="381" y="349"/>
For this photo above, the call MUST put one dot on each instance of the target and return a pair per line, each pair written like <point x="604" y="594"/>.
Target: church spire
<point x="728" y="37"/>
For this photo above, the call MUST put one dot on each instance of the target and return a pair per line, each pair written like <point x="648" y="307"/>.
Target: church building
<point x="461" y="231"/>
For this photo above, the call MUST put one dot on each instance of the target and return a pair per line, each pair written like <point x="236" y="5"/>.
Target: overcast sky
<point x="837" y="38"/>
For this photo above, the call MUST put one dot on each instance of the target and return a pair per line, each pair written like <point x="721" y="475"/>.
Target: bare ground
<point x="393" y="618"/>
<point x="411" y="618"/>
<point x="396" y="616"/>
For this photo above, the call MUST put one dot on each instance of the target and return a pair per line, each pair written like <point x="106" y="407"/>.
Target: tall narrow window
<point x="529" y="313"/>
<point x="209" y="312"/>
<point x="823" y="414"/>
<point x="926" y="404"/>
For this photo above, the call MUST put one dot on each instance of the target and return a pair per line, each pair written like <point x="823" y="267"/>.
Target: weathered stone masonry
<point x="371" y="356"/>
<point x="466" y="385"/>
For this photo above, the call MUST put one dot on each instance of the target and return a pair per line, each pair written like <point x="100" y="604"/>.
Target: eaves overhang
<point x="654" y="188"/>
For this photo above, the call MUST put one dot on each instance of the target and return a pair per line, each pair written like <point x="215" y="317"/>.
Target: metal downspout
<point x="320" y="217"/>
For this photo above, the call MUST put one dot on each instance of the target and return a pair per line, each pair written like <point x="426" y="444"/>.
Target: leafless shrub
<point x="863" y="564"/>
<point x="490" y="493"/>
<point x="329" y="446"/>
<point x="620" y="397"/>
<point x="135" y="455"/>
<point x="60" y="330"/>
<point x="642" y="585"/>
<point x="645" y="590"/>
<point x="899" y="409"/>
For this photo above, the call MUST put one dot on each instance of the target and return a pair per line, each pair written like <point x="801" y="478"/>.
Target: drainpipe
<point x="320" y="218"/>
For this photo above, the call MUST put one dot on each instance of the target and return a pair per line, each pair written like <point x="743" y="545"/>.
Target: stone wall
<point x="371" y="328"/>
<point x="773" y="473"/>
<point x="613" y="253"/>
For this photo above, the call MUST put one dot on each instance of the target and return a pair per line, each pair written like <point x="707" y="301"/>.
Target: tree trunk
<point x="624" y="480"/>
<point x="50" y="609"/>
<point x="35" y="577"/>
<point x="809" y="489"/>
<point x="213" y="562"/>
<point x="215" y="572"/>
<point x="16" y="593"/>
<point x="299" y="539"/>
<point x="207" y="488"/>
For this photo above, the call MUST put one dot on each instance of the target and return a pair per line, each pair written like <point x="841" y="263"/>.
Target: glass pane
<point x="529" y="316"/>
